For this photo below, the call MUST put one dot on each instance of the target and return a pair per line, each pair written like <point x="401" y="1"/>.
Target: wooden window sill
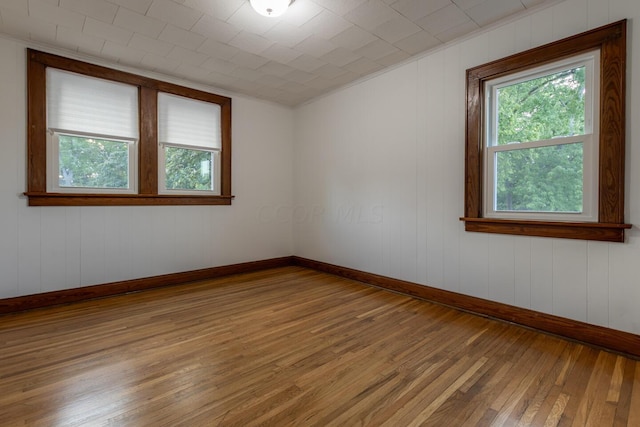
<point x="567" y="230"/>
<point x="78" y="199"/>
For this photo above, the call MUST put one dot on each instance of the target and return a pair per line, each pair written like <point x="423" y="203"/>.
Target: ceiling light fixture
<point x="271" y="8"/>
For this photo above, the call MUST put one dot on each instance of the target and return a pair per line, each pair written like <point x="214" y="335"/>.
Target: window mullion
<point x="148" y="152"/>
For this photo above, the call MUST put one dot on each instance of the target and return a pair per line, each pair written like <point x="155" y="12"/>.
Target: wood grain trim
<point x="574" y="230"/>
<point x="613" y="69"/>
<point x="148" y="146"/>
<point x="72" y="199"/>
<point x="611" y="41"/>
<point x="29" y="302"/>
<point x="619" y="341"/>
<point x="37" y="125"/>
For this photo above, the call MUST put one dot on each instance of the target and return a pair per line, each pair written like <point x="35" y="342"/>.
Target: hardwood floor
<point x="292" y="346"/>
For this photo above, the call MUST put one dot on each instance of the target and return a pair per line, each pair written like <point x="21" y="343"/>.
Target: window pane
<point x="542" y="108"/>
<point x="544" y="179"/>
<point x="92" y="162"/>
<point x="188" y="169"/>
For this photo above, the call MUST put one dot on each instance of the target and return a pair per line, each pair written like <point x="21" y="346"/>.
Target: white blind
<point x="190" y="122"/>
<point x="91" y="105"/>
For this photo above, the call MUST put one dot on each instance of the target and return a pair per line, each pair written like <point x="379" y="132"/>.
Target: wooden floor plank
<point x="293" y="346"/>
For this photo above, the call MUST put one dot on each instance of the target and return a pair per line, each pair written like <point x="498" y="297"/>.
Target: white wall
<point x="379" y="182"/>
<point x="52" y="248"/>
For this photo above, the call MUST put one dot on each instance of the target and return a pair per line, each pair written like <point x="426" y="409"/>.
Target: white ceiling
<point x="317" y="46"/>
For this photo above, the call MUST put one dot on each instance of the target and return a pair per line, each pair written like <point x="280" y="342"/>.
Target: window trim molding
<point x="611" y="41"/>
<point x="147" y="194"/>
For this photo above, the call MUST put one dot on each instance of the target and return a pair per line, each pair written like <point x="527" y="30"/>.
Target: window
<point x="190" y="144"/>
<point x="541" y="142"/>
<point x="99" y="136"/>
<point x="545" y="140"/>
<point x="92" y="134"/>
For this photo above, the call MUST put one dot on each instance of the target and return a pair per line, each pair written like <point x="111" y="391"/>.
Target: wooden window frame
<point x="610" y="40"/>
<point x="147" y="194"/>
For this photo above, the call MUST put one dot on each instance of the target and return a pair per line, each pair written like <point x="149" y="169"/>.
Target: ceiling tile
<point x="249" y="60"/>
<point x="123" y="54"/>
<point x="66" y="18"/>
<point x="159" y="63"/>
<point x="299" y="76"/>
<point x="147" y="44"/>
<point x="18" y="23"/>
<point x="77" y="40"/>
<point x="97" y="9"/>
<point x="219" y="66"/>
<point x="396" y="29"/>
<point x="218" y="50"/>
<point x="139" y="6"/>
<point x="181" y="37"/>
<point x="193" y="73"/>
<point x="138" y="23"/>
<point x="187" y="56"/>
<point x="179" y="15"/>
<point x="214" y="28"/>
<point x="320" y="83"/>
<point x="276" y="69"/>
<point x="315" y="46"/>
<point x="250" y="42"/>
<point x="280" y="53"/>
<point x="492" y="10"/>
<point x="376" y="49"/>
<point x="222" y="81"/>
<point x="443" y="19"/>
<point x="467" y="4"/>
<point x="245" y="73"/>
<point x="306" y="63"/>
<point x="40" y="31"/>
<point x="329" y="71"/>
<point x="106" y="31"/>
<point x="272" y="81"/>
<point x="370" y="14"/>
<point x="417" y="9"/>
<point x="220" y="9"/>
<point x="287" y="34"/>
<point x="18" y="6"/>
<point x="327" y="25"/>
<point x="417" y="43"/>
<point x="340" y="57"/>
<point x="353" y="38"/>
<point x="340" y="7"/>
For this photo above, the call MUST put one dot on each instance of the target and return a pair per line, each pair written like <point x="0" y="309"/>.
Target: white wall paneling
<point x="9" y="172"/>
<point x="587" y="281"/>
<point x="598" y="283"/>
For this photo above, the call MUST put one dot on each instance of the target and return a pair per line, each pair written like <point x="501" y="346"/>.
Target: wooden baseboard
<point x="619" y="341"/>
<point x="611" y="339"/>
<point x="28" y="302"/>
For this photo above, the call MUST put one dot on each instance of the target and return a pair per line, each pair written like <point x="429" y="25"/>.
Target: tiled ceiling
<point x="317" y="46"/>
